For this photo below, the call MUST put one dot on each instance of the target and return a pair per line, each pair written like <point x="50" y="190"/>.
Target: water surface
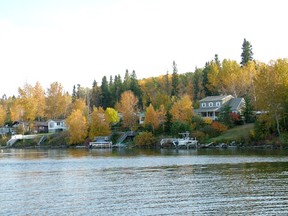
<point x="121" y="182"/>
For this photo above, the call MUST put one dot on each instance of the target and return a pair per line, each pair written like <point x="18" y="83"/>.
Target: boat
<point x="184" y="142"/>
<point x="100" y="142"/>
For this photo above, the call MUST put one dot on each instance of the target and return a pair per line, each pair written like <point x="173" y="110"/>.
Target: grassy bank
<point x="239" y="134"/>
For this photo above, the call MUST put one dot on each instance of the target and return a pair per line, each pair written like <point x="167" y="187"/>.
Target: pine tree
<point x="105" y="93"/>
<point x="135" y="88"/>
<point x="175" y="81"/>
<point x="247" y="54"/>
<point x="248" y="110"/>
<point x="95" y="95"/>
<point x="74" y="94"/>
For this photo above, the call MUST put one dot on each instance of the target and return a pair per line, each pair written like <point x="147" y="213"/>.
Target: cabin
<point x="211" y="106"/>
<point x="56" y="125"/>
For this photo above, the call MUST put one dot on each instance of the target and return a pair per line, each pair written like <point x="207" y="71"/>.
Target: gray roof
<point x="214" y="98"/>
<point x="234" y="103"/>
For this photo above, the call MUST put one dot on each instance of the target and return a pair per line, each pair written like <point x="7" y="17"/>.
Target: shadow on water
<point x="34" y="154"/>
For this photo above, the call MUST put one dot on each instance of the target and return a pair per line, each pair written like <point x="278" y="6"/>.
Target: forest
<point x="168" y="101"/>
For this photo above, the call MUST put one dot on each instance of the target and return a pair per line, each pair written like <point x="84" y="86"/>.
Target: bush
<point x="219" y="127"/>
<point x="179" y="127"/>
<point x="199" y="135"/>
<point x="210" y="131"/>
<point x="207" y="120"/>
<point x="145" y="139"/>
<point x="197" y="122"/>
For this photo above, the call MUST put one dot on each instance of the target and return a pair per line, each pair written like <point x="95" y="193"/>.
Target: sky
<point x="79" y="41"/>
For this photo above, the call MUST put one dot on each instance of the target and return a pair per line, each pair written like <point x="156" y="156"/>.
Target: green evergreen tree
<point x="205" y="82"/>
<point x="74" y="94"/>
<point x="247" y="54"/>
<point x="199" y="92"/>
<point x="168" y="122"/>
<point x="135" y="88"/>
<point x="95" y="95"/>
<point x="118" y="88"/>
<point x="167" y="84"/>
<point x="225" y="116"/>
<point x="248" y="111"/>
<point x="175" y="81"/>
<point x="127" y="81"/>
<point x="105" y="93"/>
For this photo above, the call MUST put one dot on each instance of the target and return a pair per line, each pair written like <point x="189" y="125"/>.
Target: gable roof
<point x="234" y="103"/>
<point x="214" y="98"/>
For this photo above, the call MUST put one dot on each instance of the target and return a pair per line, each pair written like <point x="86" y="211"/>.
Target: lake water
<point x="121" y="182"/>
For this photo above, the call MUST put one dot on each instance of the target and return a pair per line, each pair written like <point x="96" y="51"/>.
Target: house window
<point x="203" y="104"/>
<point x="218" y="104"/>
<point x="210" y="104"/>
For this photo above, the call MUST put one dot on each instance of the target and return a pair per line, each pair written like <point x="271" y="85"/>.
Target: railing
<point x="16" y="137"/>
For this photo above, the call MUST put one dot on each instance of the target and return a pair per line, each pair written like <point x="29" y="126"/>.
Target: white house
<point x="56" y="125"/>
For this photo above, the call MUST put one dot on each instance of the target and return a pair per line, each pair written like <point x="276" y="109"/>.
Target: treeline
<point x="264" y="87"/>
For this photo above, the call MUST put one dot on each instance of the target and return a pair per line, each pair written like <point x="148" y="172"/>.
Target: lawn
<point x="235" y="133"/>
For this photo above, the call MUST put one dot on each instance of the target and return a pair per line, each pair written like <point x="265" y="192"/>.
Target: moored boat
<point x="100" y="142"/>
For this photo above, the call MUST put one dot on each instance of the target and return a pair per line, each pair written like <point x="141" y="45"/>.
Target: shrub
<point x="145" y="139"/>
<point x="179" y="127"/>
<point x="199" y="135"/>
<point x="219" y="127"/>
<point x="197" y="122"/>
<point x="210" y="131"/>
<point x="207" y="120"/>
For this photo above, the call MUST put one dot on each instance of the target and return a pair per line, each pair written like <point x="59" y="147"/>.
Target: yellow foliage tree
<point x="111" y="115"/>
<point x="99" y="126"/>
<point x="28" y="102"/>
<point x="16" y="110"/>
<point x="81" y="105"/>
<point x="77" y="127"/>
<point x="182" y="110"/>
<point x="39" y="97"/>
<point x="151" y="118"/>
<point x="2" y="115"/>
<point x="128" y="107"/>
<point x="271" y="91"/>
<point x="57" y="102"/>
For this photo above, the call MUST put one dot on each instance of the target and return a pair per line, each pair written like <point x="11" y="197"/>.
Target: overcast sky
<point x="77" y="41"/>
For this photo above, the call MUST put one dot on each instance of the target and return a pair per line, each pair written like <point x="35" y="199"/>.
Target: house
<point x="40" y="127"/>
<point x="6" y="130"/>
<point x="212" y="105"/>
<point x="56" y="125"/>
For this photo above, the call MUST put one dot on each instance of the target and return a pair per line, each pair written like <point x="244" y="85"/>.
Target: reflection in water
<point x="164" y="182"/>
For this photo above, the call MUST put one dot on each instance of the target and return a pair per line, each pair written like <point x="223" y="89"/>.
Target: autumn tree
<point x="247" y="54"/>
<point x="16" y="110"/>
<point x="99" y="125"/>
<point x="111" y="116"/>
<point x="128" y="107"/>
<point x="28" y="102"/>
<point x="57" y="102"/>
<point x="271" y="92"/>
<point x="2" y="115"/>
<point x="39" y="96"/>
<point x="182" y="110"/>
<point x="151" y="118"/>
<point x="80" y="104"/>
<point x="77" y="127"/>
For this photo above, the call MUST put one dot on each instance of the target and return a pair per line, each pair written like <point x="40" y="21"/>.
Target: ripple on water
<point x="145" y="186"/>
